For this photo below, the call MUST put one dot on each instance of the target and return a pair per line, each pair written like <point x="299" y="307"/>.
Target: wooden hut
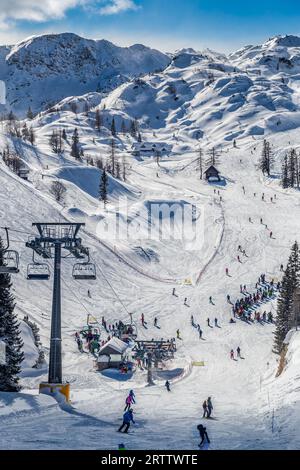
<point x="112" y="354"/>
<point x="212" y="174"/>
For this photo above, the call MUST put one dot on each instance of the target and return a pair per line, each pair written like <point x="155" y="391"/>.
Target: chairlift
<point x="84" y="271"/>
<point x="38" y="271"/>
<point x="10" y="259"/>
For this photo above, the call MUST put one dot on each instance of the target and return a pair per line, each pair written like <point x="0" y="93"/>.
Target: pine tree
<point x="200" y="163"/>
<point x="285" y="182"/>
<point x="113" y="128"/>
<point x="10" y="334"/>
<point x="31" y="136"/>
<point x="292" y="168"/>
<point x="103" y="187"/>
<point x="286" y="298"/>
<point x="30" y="114"/>
<point x="266" y="160"/>
<point x="75" y="150"/>
<point x="98" y="120"/>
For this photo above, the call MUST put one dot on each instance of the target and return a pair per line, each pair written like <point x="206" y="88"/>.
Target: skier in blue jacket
<point x="127" y="419"/>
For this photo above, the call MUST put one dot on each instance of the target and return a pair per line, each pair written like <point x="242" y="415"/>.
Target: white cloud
<point x="118" y="6"/>
<point x="35" y="10"/>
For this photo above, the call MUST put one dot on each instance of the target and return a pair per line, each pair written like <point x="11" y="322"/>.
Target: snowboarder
<point x="167" y="385"/>
<point x="127" y="420"/>
<point x="209" y="407"/>
<point x="203" y="434"/>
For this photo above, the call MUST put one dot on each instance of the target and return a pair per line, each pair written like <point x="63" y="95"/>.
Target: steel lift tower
<point x="57" y="241"/>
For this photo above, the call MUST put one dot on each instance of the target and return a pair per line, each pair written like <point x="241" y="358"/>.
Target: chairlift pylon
<point x="10" y="259"/>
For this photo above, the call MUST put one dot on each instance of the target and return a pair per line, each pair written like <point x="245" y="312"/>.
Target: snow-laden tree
<point x="103" y="188"/>
<point x="286" y="298"/>
<point x="9" y="334"/>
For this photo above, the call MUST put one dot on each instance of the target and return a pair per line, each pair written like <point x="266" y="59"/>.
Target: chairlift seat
<point x="84" y="271"/>
<point x="38" y="271"/>
<point x="10" y="262"/>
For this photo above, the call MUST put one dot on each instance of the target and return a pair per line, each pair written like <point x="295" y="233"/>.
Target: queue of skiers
<point x="243" y="307"/>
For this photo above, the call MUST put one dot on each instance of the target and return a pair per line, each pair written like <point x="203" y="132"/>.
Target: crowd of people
<point x="245" y="307"/>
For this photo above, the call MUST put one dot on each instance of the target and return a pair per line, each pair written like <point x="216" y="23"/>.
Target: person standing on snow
<point x="203" y="434"/>
<point x="209" y="407"/>
<point x="216" y="322"/>
<point x="208" y="322"/>
<point x="129" y="401"/>
<point x="238" y="352"/>
<point x="127" y="420"/>
<point x="204" y="406"/>
<point x="232" y="354"/>
<point x="167" y="385"/>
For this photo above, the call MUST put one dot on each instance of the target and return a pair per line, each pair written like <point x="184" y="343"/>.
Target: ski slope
<point x="252" y="408"/>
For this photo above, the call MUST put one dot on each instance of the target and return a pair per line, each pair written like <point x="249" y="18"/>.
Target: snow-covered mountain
<point x="196" y="99"/>
<point x="42" y="70"/>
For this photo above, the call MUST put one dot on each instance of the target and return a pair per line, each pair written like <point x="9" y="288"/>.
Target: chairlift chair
<point x="10" y="259"/>
<point x="84" y="271"/>
<point x="10" y="262"/>
<point x="38" y="271"/>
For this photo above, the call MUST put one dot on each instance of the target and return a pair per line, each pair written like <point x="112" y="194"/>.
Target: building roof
<point x="212" y="168"/>
<point x="115" y="345"/>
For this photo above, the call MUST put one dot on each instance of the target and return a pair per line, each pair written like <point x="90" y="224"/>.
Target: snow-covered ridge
<point x="45" y="69"/>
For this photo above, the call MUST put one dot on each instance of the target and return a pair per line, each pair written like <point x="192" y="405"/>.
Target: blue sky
<point x="165" y="24"/>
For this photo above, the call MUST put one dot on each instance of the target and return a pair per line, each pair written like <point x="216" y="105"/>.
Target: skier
<point x="232" y="354"/>
<point x="227" y="272"/>
<point x="204" y="406"/>
<point x="209" y="407"/>
<point x="216" y="322"/>
<point x="208" y="322"/>
<point x="228" y="298"/>
<point x="127" y="419"/>
<point x="210" y="300"/>
<point x="238" y="352"/>
<point x="185" y="301"/>
<point x="155" y="322"/>
<point x="167" y="385"/>
<point x="203" y="434"/>
<point x="178" y="334"/>
<point x="261" y="221"/>
<point x="271" y="234"/>
<point x="129" y="400"/>
<point x="80" y="345"/>
<point x="239" y="259"/>
<point x="281" y="268"/>
<point x="143" y="320"/>
<point x="192" y="320"/>
<point x="200" y="332"/>
<point x="174" y="291"/>
<point x="89" y="294"/>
